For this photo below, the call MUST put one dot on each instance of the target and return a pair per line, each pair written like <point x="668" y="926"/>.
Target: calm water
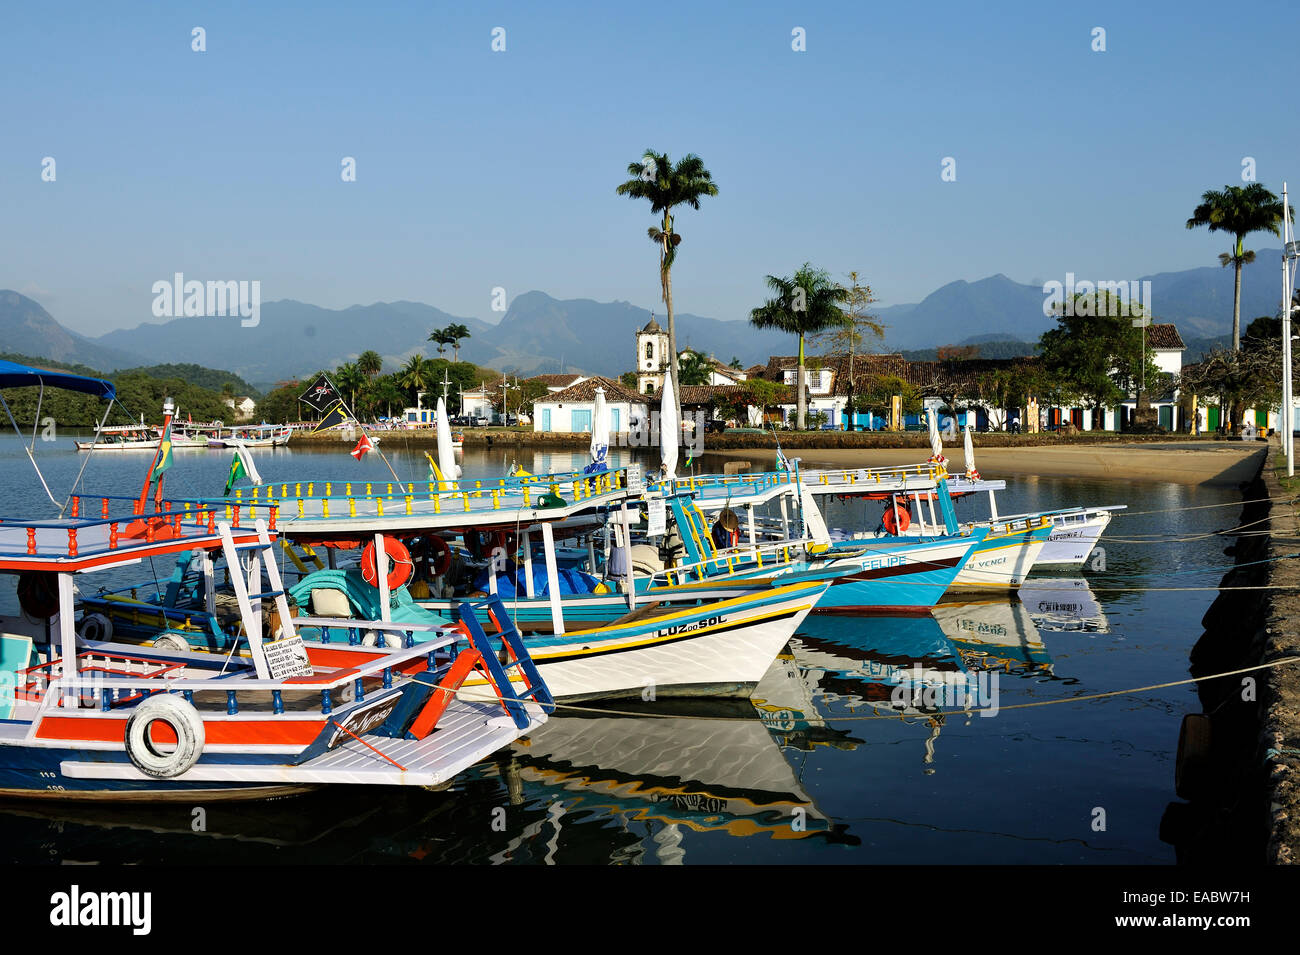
<point x="797" y="774"/>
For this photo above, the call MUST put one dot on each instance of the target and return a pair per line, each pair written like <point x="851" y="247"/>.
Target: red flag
<point x="362" y="447"/>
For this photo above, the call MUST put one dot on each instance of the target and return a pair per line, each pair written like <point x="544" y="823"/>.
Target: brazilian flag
<point x="236" y="472"/>
<point x="164" y="454"/>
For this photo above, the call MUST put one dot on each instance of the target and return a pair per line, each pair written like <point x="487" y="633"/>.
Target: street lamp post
<point x="1142" y="323"/>
<point x="1290" y="252"/>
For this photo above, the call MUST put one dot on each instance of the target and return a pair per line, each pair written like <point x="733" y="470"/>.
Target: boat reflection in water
<point x="1064" y="603"/>
<point x="996" y="634"/>
<point x="703" y="766"/>
<point x="901" y="668"/>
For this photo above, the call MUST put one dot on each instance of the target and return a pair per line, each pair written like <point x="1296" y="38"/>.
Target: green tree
<point x="1239" y="211"/>
<point x="1096" y="354"/>
<point x="457" y="332"/>
<point x="349" y="379"/>
<point x="806" y="304"/>
<point x="757" y="393"/>
<point x="415" y="376"/>
<point x="443" y="337"/>
<point x="735" y="363"/>
<point x="281" y="404"/>
<point x="694" y="368"/>
<point x="667" y="186"/>
<point x="861" y="330"/>
<point x="877" y="396"/>
<point x="370" y="363"/>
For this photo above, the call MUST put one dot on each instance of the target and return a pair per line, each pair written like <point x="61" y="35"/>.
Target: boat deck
<point x="467" y="733"/>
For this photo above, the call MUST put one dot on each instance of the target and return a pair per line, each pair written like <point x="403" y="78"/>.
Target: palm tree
<point x="443" y="337"/>
<point x="415" y="375"/>
<point x="349" y="377"/>
<point x="370" y="363"/>
<point x="457" y="332"/>
<point x="1239" y="210"/>
<point x="695" y="368"/>
<point x="666" y="186"/>
<point x="803" y="305"/>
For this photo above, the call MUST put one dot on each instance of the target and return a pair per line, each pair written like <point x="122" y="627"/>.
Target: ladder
<point x="518" y="655"/>
<point x="262" y="556"/>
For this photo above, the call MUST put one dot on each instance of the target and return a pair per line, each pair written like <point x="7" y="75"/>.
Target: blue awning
<point x="14" y="375"/>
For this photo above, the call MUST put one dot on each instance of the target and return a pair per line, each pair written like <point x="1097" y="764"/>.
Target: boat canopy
<point x="14" y="375"/>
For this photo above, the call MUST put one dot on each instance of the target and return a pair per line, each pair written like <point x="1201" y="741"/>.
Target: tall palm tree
<point x="666" y="186"/>
<point x="443" y="337"/>
<point x="370" y="363"/>
<point x="803" y="305"/>
<point x="1239" y="210"/>
<point x="457" y="332"/>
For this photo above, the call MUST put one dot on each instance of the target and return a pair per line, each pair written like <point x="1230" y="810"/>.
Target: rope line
<point x="895" y="716"/>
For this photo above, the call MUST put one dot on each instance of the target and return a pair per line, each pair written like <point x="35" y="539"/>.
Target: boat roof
<point x="72" y="545"/>
<point x="14" y="375"/>
<point x="345" y="509"/>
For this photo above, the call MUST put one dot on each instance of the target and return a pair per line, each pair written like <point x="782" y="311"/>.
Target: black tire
<point x="1192" y="764"/>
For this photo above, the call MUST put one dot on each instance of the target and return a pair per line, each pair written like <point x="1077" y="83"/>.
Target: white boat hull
<point x="1073" y="537"/>
<point x="716" y="650"/>
<point x="999" y="568"/>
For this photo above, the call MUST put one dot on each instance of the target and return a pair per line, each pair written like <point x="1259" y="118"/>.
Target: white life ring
<point x="171" y="641"/>
<point x="184" y="721"/>
<point x="391" y="640"/>
<point x="95" y="626"/>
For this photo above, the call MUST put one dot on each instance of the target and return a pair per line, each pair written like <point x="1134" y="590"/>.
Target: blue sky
<point x="478" y="169"/>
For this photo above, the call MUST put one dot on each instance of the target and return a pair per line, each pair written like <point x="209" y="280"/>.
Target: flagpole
<point x="353" y="415"/>
<point x="168" y="408"/>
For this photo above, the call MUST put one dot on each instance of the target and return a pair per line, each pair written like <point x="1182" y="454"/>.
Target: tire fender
<point x="95" y="626"/>
<point x="184" y="721"/>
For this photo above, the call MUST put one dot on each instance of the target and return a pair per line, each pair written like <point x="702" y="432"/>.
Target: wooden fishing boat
<point x="711" y="648"/>
<point x="136" y="437"/>
<point x="96" y="719"/>
<point x="89" y="718"/>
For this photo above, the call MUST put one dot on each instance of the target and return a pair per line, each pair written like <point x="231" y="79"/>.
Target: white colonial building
<point x="573" y="409"/>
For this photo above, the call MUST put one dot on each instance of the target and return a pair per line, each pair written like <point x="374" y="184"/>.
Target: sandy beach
<point x="1221" y="463"/>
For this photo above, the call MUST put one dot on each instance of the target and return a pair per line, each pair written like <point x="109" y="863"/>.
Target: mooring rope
<point x="601" y="711"/>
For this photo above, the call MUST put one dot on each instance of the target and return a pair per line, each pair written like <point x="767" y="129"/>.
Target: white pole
<point x="552" y="580"/>
<point x="626" y="543"/>
<point x="1288" y="407"/>
<point x="66" y="626"/>
<point x="528" y="566"/>
<point x="381" y="574"/>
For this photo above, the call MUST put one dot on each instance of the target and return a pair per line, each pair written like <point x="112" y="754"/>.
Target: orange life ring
<point x="896" y="525"/>
<point x="399" y="562"/>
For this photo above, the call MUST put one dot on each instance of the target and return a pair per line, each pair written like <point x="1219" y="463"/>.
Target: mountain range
<point x="539" y="333"/>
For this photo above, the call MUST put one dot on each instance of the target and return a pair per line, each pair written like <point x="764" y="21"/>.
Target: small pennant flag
<point x="362" y="447"/>
<point x="334" y="416"/>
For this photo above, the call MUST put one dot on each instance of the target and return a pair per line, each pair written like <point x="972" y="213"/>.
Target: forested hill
<point x="139" y="391"/>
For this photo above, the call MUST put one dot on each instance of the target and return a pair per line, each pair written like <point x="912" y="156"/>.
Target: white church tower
<point x="651" y="357"/>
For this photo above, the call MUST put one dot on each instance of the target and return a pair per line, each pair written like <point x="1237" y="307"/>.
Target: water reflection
<point x="1065" y="604"/>
<point x="994" y="634"/>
